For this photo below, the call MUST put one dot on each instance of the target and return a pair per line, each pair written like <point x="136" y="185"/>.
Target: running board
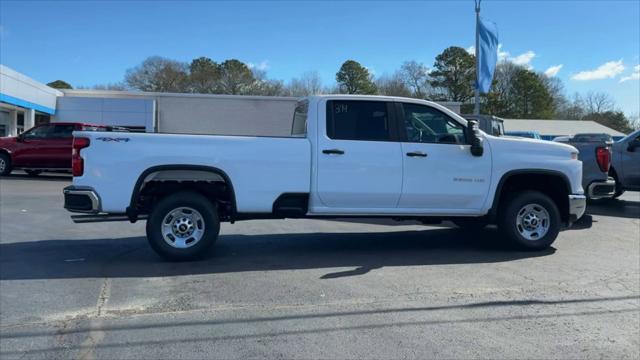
<point x="81" y="219"/>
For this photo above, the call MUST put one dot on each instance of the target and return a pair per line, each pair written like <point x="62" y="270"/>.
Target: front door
<point x="31" y="151"/>
<point x="440" y="174"/>
<point x="359" y="161"/>
<point x="631" y="162"/>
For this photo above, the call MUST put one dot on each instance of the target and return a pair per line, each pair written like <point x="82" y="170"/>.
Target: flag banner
<point x="487" y="54"/>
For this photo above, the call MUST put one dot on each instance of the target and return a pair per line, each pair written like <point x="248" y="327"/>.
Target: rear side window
<point x="62" y="131"/>
<point x="358" y="120"/>
<point x="299" y="128"/>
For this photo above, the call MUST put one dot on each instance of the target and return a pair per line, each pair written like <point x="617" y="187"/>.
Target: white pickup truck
<point x="348" y="156"/>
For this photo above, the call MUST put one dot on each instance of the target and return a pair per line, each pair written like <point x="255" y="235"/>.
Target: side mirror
<point x="20" y="137"/>
<point x="633" y="145"/>
<point x="472" y="133"/>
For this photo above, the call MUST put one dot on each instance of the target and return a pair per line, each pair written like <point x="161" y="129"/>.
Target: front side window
<point x="425" y="124"/>
<point x="358" y="120"/>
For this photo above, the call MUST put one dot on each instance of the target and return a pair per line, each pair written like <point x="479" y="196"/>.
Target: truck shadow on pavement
<point x="363" y="252"/>
<point x="616" y="208"/>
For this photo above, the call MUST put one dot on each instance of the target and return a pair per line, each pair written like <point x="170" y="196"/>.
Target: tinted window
<point x="39" y="132"/>
<point x="62" y="131"/>
<point x="428" y="125"/>
<point x="592" y="138"/>
<point x="299" y="127"/>
<point x="358" y="120"/>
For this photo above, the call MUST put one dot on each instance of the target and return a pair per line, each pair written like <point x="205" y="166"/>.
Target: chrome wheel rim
<point x="533" y="222"/>
<point x="182" y="227"/>
<point x="3" y="165"/>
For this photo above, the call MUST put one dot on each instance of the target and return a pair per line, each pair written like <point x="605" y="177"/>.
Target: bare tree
<point x="118" y="86"/>
<point x="264" y="86"/>
<point x="307" y="84"/>
<point x="393" y="85"/>
<point x="158" y="74"/>
<point x="416" y="76"/>
<point x="598" y="102"/>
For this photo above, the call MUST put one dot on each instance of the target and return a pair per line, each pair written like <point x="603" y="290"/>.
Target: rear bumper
<point x="577" y="206"/>
<point x="601" y="189"/>
<point x="81" y="200"/>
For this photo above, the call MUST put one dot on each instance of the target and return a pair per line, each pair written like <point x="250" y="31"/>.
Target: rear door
<point x="359" y="158"/>
<point x="59" y="145"/>
<point x="440" y="174"/>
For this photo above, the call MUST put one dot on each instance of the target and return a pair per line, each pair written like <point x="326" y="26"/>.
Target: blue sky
<point x="597" y="43"/>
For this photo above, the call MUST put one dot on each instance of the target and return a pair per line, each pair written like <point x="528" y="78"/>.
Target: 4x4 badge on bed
<point x="107" y="139"/>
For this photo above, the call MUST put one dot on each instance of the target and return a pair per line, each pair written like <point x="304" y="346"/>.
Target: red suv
<point x="44" y="147"/>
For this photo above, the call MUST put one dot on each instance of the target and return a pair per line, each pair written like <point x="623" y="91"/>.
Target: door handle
<point x="333" y="151"/>
<point x="416" y="154"/>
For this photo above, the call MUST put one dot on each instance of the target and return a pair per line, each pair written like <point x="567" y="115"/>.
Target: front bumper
<point x="577" y="206"/>
<point x="81" y="199"/>
<point x="601" y="189"/>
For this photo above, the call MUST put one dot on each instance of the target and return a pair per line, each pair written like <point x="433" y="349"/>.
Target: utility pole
<point x="476" y="109"/>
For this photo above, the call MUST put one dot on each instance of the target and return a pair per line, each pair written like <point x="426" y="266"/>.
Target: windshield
<point x="630" y="136"/>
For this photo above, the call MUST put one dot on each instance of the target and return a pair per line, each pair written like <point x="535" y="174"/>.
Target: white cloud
<point x="553" y="70"/>
<point x="262" y="66"/>
<point x="605" y="71"/>
<point x="635" y="75"/>
<point x="524" y="59"/>
<point x="502" y="55"/>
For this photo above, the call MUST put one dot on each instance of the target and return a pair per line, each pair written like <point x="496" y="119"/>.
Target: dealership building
<point x="25" y="103"/>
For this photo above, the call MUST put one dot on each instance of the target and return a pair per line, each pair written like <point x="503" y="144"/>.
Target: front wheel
<point x="5" y="164"/>
<point x="183" y="226"/>
<point x="530" y="220"/>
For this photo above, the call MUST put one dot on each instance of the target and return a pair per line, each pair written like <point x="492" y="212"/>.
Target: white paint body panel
<point x="261" y="168"/>
<point x="376" y="178"/>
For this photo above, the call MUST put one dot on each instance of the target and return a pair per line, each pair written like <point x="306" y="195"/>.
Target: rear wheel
<point x="183" y="226"/>
<point x="619" y="190"/>
<point x="530" y="220"/>
<point x="5" y="164"/>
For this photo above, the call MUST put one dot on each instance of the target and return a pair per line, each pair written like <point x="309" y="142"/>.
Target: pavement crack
<point x="105" y="292"/>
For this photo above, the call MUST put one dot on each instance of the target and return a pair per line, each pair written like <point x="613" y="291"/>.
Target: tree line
<point x="516" y="92"/>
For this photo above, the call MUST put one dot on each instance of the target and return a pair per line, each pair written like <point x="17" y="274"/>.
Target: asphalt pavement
<point x="310" y="289"/>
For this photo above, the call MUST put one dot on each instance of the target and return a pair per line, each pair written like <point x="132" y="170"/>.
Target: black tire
<point x="471" y="224"/>
<point x="5" y="164"/>
<point x="190" y="200"/>
<point x="33" y="172"/>
<point x="511" y="227"/>
<point x="619" y="190"/>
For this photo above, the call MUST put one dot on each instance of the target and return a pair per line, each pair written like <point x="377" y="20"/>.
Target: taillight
<point x="603" y="156"/>
<point x="77" y="163"/>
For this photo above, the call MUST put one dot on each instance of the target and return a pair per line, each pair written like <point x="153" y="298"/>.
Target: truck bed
<point x="124" y="156"/>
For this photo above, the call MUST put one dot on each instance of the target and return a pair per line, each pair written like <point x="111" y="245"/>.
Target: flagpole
<point x="476" y="109"/>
